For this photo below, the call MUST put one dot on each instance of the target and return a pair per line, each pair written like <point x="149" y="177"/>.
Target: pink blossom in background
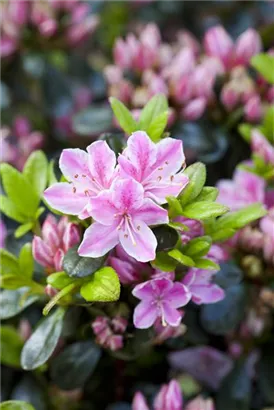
<point x="110" y="332"/>
<point x="125" y="220"/>
<point x="200" y="404"/>
<point x="88" y="173"/>
<point x="19" y="142"/>
<point x="156" y="166"/>
<point x="267" y="227"/>
<point x="57" y="237"/>
<point x="262" y="147"/>
<point x="166" y="332"/>
<point x="253" y="109"/>
<point x="159" y="298"/>
<point x="169" y="398"/>
<point x="3" y="234"/>
<point x="244" y="189"/>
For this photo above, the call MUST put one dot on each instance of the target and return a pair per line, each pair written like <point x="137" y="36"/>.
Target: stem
<point x="65" y="291"/>
<point x="37" y="229"/>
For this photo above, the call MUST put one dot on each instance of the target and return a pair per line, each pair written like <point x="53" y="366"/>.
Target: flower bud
<point x="18" y="11"/>
<point x="139" y="402"/>
<point x="194" y="109"/>
<point x="262" y="147"/>
<point x="253" y="109"/>
<point x="169" y="397"/>
<point x="151" y="36"/>
<point x="71" y="236"/>
<point x="119" y="324"/>
<point x="99" y="324"/>
<point x="115" y="342"/>
<point x="50" y="291"/>
<point x="219" y="44"/>
<point x="48" y="27"/>
<point x="200" y="404"/>
<point x="24" y="329"/>
<point x="229" y="96"/>
<point x="247" y="45"/>
<point x="122" y="57"/>
<point x="21" y="126"/>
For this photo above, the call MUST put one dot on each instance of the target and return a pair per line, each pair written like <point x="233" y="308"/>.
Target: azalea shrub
<point x="137" y="270"/>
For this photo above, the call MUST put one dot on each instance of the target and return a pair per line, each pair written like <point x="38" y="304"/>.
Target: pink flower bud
<point x="270" y="95"/>
<point x="50" y="291"/>
<point x="71" y="236"/>
<point x="151" y="36"/>
<point x="42" y="252"/>
<point x="183" y="89"/>
<point x="122" y="56"/>
<point x="24" y="329"/>
<point x="8" y="46"/>
<point x="103" y="336"/>
<point x="219" y="44"/>
<point x="229" y="96"/>
<point x="113" y="74"/>
<point x="99" y="324"/>
<point x="58" y="260"/>
<point x="200" y="404"/>
<point x="186" y="39"/>
<point x="253" y="109"/>
<point x="194" y="109"/>
<point x="79" y="12"/>
<point x="235" y="350"/>
<point x="262" y="147"/>
<point x="247" y="45"/>
<point x="18" y="11"/>
<point x="21" y="126"/>
<point x="139" y="402"/>
<point x="169" y="397"/>
<point x="115" y="342"/>
<point x="119" y="324"/>
<point x="48" y="27"/>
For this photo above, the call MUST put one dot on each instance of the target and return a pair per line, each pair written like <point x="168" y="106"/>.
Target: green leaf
<point x="8" y="262"/>
<point x="238" y="219"/>
<point x="26" y="262"/>
<point x="197" y="177"/>
<point x="59" y="280"/>
<point x="223" y="235"/>
<point x="104" y="286"/>
<point x="207" y="194"/>
<point x="13" y="302"/>
<point x="166" y="237"/>
<point x="36" y="170"/>
<point x="157" y="126"/>
<point x="68" y="290"/>
<point x="78" y="267"/>
<point x="40" y="346"/>
<point x="179" y="226"/>
<point x="208" y="264"/>
<point x="23" y="229"/>
<point x="74" y="365"/>
<point x="92" y="120"/>
<point x="10" y="210"/>
<point x="19" y="190"/>
<point x="14" y="281"/>
<point x="157" y="105"/>
<point x="123" y="116"/>
<point x="204" y="210"/>
<point x="245" y="131"/>
<point x="264" y="63"/>
<point x="181" y="258"/>
<point x="174" y="207"/>
<point x="15" y="405"/>
<point x="164" y="262"/>
<point x="197" y="247"/>
<point x="11" y="346"/>
<point x="268" y="124"/>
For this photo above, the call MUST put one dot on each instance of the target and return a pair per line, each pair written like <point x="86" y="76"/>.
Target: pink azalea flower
<point x="262" y="147"/>
<point x="88" y="172"/>
<point x="155" y="166"/>
<point x="168" y="398"/>
<point x="122" y="215"/>
<point x="109" y="332"/>
<point x="198" y="282"/>
<point x="57" y="238"/>
<point x="159" y="298"/>
<point x="245" y="189"/>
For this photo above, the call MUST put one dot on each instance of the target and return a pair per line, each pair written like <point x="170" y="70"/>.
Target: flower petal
<point x="171" y="315"/>
<point x="98" y="240"/>
<point x="151" y="214"/>
<point x="127" y="194"/>
<point x="102" y="161"/>
<point x="61" y="196"/>
<point x="74" y="162"/>
<point x="42" y="252"/>
<point x="206" y="293"/>
<point x="144" y="315"/>
<point x="141" y="243"/>
<point x="126" y="272"/>
<point x="170" y="156"/>
<point x="102" y="208"/>
<point x="141" y="152"/>
<point x="171" y="186"/>
<point x="178" y="296"/>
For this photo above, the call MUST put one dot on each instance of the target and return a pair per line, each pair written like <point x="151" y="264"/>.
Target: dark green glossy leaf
<point x="11" y="346"/>
<point x="92" y="120"/>
<point x="13" y="302"/>
<point x="166" y="238"/>
<point x="79" y="267"/>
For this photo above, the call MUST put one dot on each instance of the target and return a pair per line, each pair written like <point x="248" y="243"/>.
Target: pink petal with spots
<point x="61" y="196"/>
<point x="102" y="161"/>
<point x="98" y="240"/>
<point x="74" y="162"/>
<point x="170" y="156"/>
<point x="171" y="186"/>
<point x="141" y="243"/>
<point x="151" y="214"/>
<point x="127" y="194"/>
<point x="103" y="209"/>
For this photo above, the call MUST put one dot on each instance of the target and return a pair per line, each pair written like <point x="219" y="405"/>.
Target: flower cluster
<point x="109" y="332"/>
<point x="19" y="142"/>
<point x="57" y="237"/>
<point x="186" y="72"/>
<point x="128" y="193"/>
<point x="70" y="19"/>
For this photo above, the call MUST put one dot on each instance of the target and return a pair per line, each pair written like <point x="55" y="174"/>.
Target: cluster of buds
<point x="110" y="332"/>
<point x="19" y="142"/>
<point x="70" y="19"/>
<point x="186" y="72"/>
<point x="57" y="237"/>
